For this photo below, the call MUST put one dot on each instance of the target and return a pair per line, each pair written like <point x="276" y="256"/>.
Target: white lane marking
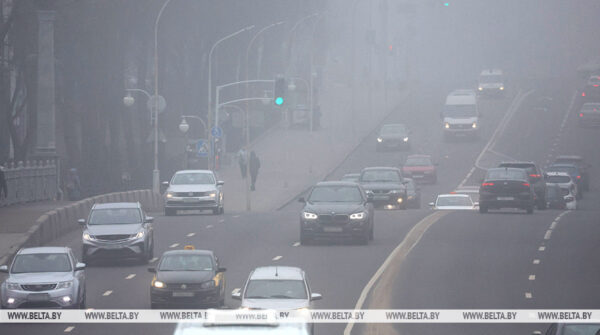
<point x="548" y="234"/>
<point x="174" y="245"/>
<point x="531" y="277"/>
<point x="542" y="248"/>
<point x="130" y="276"/>
<point x="276" y="258"/>
<point x="107" y="293"/>
<point x="536" y="261"/>
<point x="69" y="329"/>
<point x="236" y="216"/>
<point x="153" y="259"/>
<point x="222" y="220"/>
<point x="528" y="295"/>
<point x="553" y="225"/>
<point x="209" y="226"/>
<point x="190" y="234"/>
<point x="296" y="244"/>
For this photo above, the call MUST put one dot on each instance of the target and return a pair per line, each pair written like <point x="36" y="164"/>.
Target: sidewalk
<point x="16" y="221"/>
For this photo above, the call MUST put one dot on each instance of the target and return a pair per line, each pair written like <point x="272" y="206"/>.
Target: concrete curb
<point x="61" y="220"/>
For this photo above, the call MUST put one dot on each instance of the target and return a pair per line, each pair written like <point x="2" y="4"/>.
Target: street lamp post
<point x="184" y="127"/>
<point x="312" y="73"/>
<point x="210" y="81"/>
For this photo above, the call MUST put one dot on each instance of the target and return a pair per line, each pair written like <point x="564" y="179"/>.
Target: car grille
<point x="38" y="287"/>
<point x="380" y="191"/>
<point x="112" y="237"/>
<point x="461" y="126"/>
<point x="333" y="219"/>
<point x="188" y="287"/>
<point x="191" y="194"/>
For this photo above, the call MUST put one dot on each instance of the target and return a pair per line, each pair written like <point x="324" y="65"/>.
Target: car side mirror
<point x="4" y="269"/>
<point x="220" y="183"/>
<point x="221" y="270"/>
<point x="315" y="296"/>
<point x="149" y="219"/>
<point x="302" y="200"/>
<point x="79" y="266"/>
<point x="81" y="222"/>
<point x="165" y="183"/>
<point x="431" y="204"/>
<point x="236" y="294"/>
<point x="152" y="270"/>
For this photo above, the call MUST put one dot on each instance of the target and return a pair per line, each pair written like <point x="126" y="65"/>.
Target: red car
<point x="420" y="168"/>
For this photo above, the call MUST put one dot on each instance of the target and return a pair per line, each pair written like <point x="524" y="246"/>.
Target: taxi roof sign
<point x="189" y="247"/>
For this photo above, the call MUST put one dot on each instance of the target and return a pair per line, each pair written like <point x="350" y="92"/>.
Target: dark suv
<point x="117" y="230"/>
<point x="385" y="185"/>
<point x="506" y="188"/>
<point x="535" y="177"/>
<point x="336" y="209"/>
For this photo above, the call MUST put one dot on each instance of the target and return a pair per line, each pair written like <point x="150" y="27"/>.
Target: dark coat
<point x="254" y="163"/>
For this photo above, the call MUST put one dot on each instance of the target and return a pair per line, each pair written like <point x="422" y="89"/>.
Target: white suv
<point x="460" y="114"/>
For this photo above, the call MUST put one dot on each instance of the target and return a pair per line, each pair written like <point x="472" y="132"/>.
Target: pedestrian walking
<point x="242" y="157"/>
<point x="3" y="187"/>
<point x="73" y="185"/>
<point x="254" y="166"/>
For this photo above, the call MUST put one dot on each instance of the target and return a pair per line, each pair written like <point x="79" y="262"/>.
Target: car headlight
<point x="208" y="284"/>
<point x="64" y="284"/>
<point x="379" y="139"/>
<point x="400" y="200"/>
<point x="309" y="216"/>
<point x="501" y="88"/>
<point x="13" y="286"/>
<point x="87" y="237"/>
<point x="158" y="284"/>
<point x="170" y="195"/>
<point x="405" y="139"/>
<point x="357" y="216"/>
<point x="140" y="234"/>
<point x="410" y="197"/>
<point x="212" y="194"/>
<point x="446" y="125"/>
<point x="480" y="88"/>
<point x="474" y="125"/>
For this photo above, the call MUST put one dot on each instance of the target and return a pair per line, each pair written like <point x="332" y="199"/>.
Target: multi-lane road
<point x="457" y="260"/>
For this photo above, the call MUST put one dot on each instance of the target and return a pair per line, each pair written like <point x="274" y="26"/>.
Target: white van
<point x="460" y="114"/>
<point x="491" y="82"/>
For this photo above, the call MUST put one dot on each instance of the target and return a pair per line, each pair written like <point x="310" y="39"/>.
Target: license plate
<point x="183" y="294"/>
<point x="38" y="297"/>
<point x="332" y="229"/>
<point x="380" y="197"/>
<point x="190" y="200"/>
<point x="506" y="198"/>
<point x="417" y="176"/>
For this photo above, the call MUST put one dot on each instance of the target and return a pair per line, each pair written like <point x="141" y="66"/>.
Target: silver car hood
<point x="276" y="304"/>
<point x="40" y="278"/>
<point x="114" y="229"/>
<point x="192" y="188"/>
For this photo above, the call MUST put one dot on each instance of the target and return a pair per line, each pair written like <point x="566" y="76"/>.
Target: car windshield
<point x="510" y="174"/>
<point x="275" y="289"/>
<point x="453" y="201"/>
<point x="55" y="262"/>
<point x="591" y="329"/>
<point x="396" y="129"/>
<point x="528" y="167"/>
<point x="376" y="176"/>
<point x="571" y="170"/>
<point x="201" y="178"/>
<point x="335" y="194"/>
<point x="417" y="161"/>
<point x="115" y="216"/>
<point x="490" y="78"/>
<point x="460" y="111"/>
<point x="186" y="263"/>
<point x="558" y="179"/>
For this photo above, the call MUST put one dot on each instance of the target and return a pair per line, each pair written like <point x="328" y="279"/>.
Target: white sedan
<point x="453" y="201"/>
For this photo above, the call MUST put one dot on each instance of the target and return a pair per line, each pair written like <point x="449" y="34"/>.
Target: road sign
<point x="202" y="148"/>
<point x="162" y="103"/>
<point x="216" y="132"/>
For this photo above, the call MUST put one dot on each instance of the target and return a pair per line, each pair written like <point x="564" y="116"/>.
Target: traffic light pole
<point x="218" y="92"/>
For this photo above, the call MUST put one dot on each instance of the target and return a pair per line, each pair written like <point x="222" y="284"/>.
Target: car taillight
<point x="526" y="184"/>
<point x="596" y="85"/>
<point x="578" y="177"/>
<point x="487" y="184"/>
<point x="580" y="114"/>
<point x="583" y="94"/>
<point x="534" y="175"/>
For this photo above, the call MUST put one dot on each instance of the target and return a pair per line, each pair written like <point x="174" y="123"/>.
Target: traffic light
<point x="279" y="91"/>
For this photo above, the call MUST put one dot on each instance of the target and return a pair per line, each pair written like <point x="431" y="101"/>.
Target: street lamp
<point x="184" y="127"/>
<point x="128" y="100"/>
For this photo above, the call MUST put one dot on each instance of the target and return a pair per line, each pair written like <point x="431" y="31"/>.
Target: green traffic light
<point x="447" y="4"/>
<point x="279" y="101"/>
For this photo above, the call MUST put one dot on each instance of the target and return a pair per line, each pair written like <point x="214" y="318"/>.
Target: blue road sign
<point x="216" y="132"/>
<point x="202" y="148"/>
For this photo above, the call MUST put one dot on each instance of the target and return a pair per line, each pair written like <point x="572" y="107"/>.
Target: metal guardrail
<point x="30" y="181"/>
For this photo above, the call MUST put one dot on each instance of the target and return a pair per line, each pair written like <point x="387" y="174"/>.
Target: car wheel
<point x="154" y="305"/>
<point x="151" y="251"/>
<point x="482" y="209"/>
<point x="364" y="239"/>
<point x="82" y="303"/>
<point x="169" y="212"/>
<point x="530" y="209"/>
<point x="304" y="240"/>
<point x="222" y="209"/>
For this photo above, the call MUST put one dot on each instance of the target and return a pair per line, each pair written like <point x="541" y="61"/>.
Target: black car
<point x="386" y="185"/>
<point x="506" y="188"/>
<point x="574" y="171"/>
<point x="187" y="278"/>
<point x="117" y="230"/>
<point x="535" y="177"/>
<point x="582" y="165"/>
<point x="393" y="136"/>
<point x="337" y="209"/>
<point x="413" y="193"/>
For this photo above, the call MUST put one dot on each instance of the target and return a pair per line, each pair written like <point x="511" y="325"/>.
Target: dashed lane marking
<point x="553" y="225"/>
<point x="222" y="220"/>
<point x="548" y="234"/>
<point x="107" y="293"/>
<point x="209" y="226"/>
<point x="130" y="276"/>
<point x="236" y="216"/>
<point x="69" y="329"/>
<point x="542" y="248"/>
<point x="174" y="245"/>
<point x="536" y="261"/>
<point x="297" y="244"/>
<point x="190" y="234"/>
<point x="276" y="258"/>
<point x="531" y="277"/>
<point x="528" y="295"/>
